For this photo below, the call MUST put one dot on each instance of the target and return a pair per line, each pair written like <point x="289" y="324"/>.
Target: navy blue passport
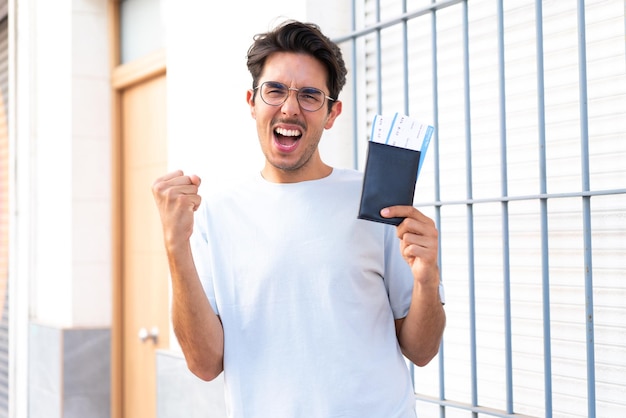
<point x="389" y="179"/>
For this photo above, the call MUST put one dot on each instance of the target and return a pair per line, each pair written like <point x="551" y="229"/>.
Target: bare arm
<point x="197" y="327"/>
<point x="420" y="332"/>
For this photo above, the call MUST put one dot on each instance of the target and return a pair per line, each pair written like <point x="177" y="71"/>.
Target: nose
<point x="291" y="105"/>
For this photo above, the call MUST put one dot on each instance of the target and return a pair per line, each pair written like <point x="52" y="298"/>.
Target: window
<point x="525" y="179"/>
<point x="142" y="29"/>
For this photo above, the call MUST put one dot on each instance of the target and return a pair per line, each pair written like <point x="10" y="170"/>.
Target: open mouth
<point x="287" y="138"/>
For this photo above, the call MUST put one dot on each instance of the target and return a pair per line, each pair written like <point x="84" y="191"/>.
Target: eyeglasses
<point x="309" y="98"/>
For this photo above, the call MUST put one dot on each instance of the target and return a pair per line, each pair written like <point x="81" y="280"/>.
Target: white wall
<point x="91" y="165"/>
<point x="20" y="202"/>
<point x="52" y="153"/>
<point x="64" y="89"/>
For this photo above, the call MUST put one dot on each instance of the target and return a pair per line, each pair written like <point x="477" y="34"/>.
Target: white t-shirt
<point x="307" y="294"/>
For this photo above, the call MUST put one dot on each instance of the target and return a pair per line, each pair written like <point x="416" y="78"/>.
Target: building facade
<point x="525" y="179"/>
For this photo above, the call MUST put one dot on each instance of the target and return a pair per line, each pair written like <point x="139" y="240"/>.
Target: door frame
<point x="122" y="77"/>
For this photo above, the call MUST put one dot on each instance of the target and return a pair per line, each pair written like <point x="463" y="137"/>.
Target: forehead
<point x="294" y="69"/>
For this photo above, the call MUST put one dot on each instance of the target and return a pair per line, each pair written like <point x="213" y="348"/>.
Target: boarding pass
<point x="402" y="131"/>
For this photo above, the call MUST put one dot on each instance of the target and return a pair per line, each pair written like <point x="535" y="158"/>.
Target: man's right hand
<point x="176" y="196"/>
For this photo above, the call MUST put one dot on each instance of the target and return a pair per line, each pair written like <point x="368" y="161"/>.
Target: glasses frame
<point x="326" y="97"/>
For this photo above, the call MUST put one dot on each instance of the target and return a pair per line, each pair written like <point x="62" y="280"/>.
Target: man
<point x="305" y="308"/>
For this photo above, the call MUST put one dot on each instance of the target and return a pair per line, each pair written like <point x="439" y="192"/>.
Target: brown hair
<point x="299" y="37"/>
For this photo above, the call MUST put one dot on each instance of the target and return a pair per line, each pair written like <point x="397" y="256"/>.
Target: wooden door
<point x="144" y="282"/>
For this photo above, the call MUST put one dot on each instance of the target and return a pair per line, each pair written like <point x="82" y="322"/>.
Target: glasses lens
<point x="275" y="94"/>
<point x="310" y="98"/>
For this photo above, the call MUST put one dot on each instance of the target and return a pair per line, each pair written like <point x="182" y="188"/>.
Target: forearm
<point x="197" y="327"/>
<point x="420" y="332"/>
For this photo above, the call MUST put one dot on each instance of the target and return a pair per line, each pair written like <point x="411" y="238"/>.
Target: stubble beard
<point x="300" y="163"/>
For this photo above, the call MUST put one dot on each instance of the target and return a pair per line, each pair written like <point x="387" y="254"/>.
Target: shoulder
<point x="220" y="196"/>
<point x="222" y="189"/>
<point x="346" y="179"/>
<point x="347" y="174"/>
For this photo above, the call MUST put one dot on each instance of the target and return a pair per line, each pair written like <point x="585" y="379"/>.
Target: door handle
<point x="153" y="334"/>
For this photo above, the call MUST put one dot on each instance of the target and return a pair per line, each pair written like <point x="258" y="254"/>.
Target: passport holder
<point x="389" y="179"/>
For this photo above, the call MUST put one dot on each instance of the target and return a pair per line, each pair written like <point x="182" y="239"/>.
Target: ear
<point x="250" y="100"/>
<point x="332" y="115"/>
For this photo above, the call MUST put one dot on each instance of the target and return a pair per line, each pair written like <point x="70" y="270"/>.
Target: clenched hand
<point x="177" y="198"/>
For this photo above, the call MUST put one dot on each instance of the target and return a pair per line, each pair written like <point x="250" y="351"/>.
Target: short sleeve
<point x="398" y="276"/>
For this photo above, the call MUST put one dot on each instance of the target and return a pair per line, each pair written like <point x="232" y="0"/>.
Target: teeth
<point x="288" y="132"/>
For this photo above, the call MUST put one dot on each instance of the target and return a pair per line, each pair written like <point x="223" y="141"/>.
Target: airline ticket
<point x="402" y="131"/>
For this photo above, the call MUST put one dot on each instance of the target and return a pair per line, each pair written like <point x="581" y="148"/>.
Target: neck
<point x="277" y="175"/>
